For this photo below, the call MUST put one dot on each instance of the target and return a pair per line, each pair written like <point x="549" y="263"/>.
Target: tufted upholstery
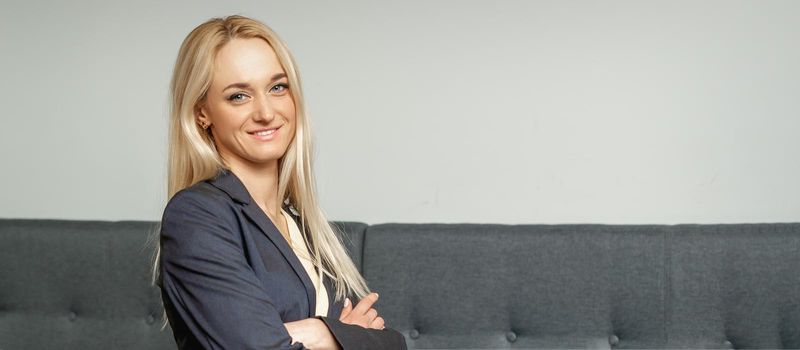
<point x="85" y="285"/>
<point x="588" y="286"/>
<point x="77" y="285"/>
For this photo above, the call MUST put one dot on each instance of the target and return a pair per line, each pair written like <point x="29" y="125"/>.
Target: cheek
<point x="220" y="116"/>
<point x="230" y="119"/>
<point x="291" y="132"/>
<point x="289" y="110"/>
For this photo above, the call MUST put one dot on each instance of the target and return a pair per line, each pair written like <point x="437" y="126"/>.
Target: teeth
<point x="265" y="133"/>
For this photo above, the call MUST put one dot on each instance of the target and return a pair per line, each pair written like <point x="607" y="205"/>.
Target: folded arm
<point x="208" y="281"/>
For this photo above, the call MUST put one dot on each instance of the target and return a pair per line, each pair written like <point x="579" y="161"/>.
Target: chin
<point x="265" y="158"/>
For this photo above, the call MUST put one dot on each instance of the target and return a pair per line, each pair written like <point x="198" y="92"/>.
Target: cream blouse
<point x="301" y="250"/>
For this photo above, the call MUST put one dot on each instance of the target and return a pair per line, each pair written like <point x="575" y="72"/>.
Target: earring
<point x="204" y="125"/>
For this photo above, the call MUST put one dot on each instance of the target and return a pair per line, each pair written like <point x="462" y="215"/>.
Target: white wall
<point x="432" y="111"/>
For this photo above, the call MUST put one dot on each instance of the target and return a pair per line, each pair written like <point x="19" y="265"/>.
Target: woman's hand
<point x="363" y="314"/>
<point x="313" y="333"/>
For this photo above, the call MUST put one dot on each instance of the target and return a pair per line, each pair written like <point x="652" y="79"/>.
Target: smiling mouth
<point x="264" y="134"/>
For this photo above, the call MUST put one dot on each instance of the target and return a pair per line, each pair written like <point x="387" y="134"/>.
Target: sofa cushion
<point x="735" y="286"/>
<point x="78" y="285"/>
<point x="352" y="235"/>
<point x="520" y="286"/>
<point x="86" y="284"/>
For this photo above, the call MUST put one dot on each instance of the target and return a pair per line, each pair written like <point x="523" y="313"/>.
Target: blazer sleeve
<point x="207" y="279"/>
<point x="354" y="337"/>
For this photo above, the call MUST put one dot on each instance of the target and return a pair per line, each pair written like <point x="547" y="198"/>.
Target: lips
<point x="264" y="134"/>
<point x="263" y="131"/>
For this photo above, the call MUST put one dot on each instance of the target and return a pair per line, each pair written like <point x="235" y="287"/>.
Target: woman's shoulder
<point x="198" y="216"/>
<point x="201" y="195"/>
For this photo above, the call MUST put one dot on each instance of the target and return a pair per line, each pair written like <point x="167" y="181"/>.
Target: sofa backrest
<point x="86" y="284"/>
<point x="78" y="285"/>
<point x="526" y="286"/>
<point x="739" y="283"/>
<point x="588" y="286"/>
<point x="68" y="284"/>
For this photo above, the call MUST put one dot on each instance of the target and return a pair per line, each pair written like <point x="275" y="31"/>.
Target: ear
<point x="200" y="114"/>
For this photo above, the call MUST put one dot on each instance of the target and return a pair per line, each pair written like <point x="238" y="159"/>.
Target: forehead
<point x="245" y="60"/>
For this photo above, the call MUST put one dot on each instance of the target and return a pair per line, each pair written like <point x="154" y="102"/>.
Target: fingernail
<point x="346" y="302"/>
<point x="376" y="295"/>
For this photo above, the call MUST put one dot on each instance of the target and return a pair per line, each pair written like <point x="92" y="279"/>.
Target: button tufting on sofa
<point x="661" y="287"/>
<point x="613" y="340"/>
<point x="511" y="336"/>
<point x="414" y="334"/>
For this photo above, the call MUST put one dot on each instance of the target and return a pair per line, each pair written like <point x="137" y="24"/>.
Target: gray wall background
<point x="432" y="111"/>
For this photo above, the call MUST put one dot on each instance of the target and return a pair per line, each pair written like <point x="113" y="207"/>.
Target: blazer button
<point x="414" y="334"/>
<point x="150" y="319"/>
<point x="72" y="316"/>
<point x="511" y="336"/>
<point x="613" y="340"/>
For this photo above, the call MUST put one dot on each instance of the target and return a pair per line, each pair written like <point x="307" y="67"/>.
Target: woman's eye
<point x="280" y="87"/>
<point x="238" y="97"/>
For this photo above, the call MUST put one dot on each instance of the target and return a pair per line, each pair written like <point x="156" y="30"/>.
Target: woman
<point x="246" y="257"/>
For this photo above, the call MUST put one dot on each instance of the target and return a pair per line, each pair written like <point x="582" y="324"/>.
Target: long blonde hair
<point x="193" y="156"/>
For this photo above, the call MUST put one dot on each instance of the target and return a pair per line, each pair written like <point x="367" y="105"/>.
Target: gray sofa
<point x="85" y="285"/>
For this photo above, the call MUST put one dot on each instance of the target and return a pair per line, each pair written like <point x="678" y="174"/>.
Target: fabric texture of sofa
<point x="86" y="285"/>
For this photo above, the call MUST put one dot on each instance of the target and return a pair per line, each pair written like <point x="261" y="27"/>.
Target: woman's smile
<point x="264" y="134"/>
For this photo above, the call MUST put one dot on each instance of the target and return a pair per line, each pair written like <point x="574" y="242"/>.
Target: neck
<point x="261" y="181"/>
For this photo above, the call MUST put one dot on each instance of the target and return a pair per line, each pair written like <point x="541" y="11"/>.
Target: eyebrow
<point x="246" y="85"/>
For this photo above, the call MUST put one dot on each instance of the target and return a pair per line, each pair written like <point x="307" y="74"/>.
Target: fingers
<point x="372" y="314"/>
<point x="362" y="314"/>
<point x="365" y="303"/>
<point x="378" y="323"/>
<point x="348" y="307"/>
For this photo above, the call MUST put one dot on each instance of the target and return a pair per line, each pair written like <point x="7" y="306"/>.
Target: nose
<point x="263" y="109"/>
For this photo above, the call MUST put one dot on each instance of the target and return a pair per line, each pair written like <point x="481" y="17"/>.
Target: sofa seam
<point x="667" y="304"/>
<point x="362" y="249"/>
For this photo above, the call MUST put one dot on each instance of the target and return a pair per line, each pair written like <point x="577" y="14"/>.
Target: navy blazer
<point x="229" y="279"/>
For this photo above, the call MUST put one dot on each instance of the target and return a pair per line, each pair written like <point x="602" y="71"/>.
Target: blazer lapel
<point x="334" y="309"/>
<point x="291" y="211"/>
<point x="230" y="184"/>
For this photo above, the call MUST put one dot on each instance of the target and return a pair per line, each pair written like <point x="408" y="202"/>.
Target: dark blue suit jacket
<point x="229" y="280"/>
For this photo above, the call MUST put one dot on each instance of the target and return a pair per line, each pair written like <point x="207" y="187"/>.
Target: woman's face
<point x="249" y="105"/>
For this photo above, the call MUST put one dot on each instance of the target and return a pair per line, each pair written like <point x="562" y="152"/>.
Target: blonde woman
<point x="246" y="259"/>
